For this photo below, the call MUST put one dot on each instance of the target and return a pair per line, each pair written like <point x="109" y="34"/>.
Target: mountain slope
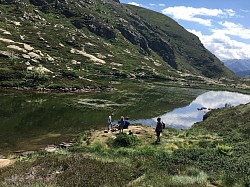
<point x="189" y="53"/>
<point x="88" y="43"/>
<point x="243" y="74"/>
<point x="240" y="67"/>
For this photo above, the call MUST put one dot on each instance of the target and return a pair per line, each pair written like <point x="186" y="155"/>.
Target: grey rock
<point x="134" y="37"/>
<point x="2" y="157"/>
<point x="27" y="153"/>
<point x="65" y="145"/>
<point x="5" y="54"/>
<point x="9" y="1"/>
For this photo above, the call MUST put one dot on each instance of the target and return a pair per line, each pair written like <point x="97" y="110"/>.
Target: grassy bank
<point x="195" y="157"/>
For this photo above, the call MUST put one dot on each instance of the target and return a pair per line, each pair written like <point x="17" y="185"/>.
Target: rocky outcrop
<point x="97" y="28"/>
<point x="5" y="54"/>
<point x="144" y="37"/>
<point x="41" y="2"/>
<point x="9" y="1"/>
<point x="103" y="31"/>
<point x="164" y="49"/>
<point x="134" y="37"/>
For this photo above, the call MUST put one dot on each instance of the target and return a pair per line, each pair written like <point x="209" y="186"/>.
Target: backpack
<point x="163" y="125"/>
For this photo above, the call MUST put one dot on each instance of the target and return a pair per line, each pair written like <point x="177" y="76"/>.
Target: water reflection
<point x="185" y="117"/>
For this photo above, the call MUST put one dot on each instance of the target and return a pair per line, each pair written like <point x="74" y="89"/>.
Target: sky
<point x="223" y="26"/>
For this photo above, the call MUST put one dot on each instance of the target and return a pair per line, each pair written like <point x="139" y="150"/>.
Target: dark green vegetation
<point x="93" y="44"/>
<point x="233" y="124"/>
<point x="46" y="118"/>
<point x="124" y="140"/>
<point x="214" y="152"/>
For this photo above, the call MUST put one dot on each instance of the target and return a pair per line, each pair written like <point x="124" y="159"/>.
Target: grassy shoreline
<point x="96" y="147"/>
<point x="95" y="160"/>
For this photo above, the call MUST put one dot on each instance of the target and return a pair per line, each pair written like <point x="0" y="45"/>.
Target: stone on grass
<point x="2" y="157"/>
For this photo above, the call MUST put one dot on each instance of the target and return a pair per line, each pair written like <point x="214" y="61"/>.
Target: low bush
<point x="191" y="171"/>
<point x="224" y="149"/>
<point x="124" y="140"/>
<point x="199" y="181"/>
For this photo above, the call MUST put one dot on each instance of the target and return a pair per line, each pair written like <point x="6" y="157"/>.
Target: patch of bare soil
<point x="5" y="162"/>
<point x="140" y="131"/>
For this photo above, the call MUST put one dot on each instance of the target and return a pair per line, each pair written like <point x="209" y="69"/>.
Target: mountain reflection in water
<point x="186" y="116"/>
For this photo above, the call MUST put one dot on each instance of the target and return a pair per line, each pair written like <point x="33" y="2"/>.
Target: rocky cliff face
<point x="55" y="42"/>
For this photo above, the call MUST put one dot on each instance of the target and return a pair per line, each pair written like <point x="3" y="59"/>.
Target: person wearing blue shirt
<point x="126" y="123"/>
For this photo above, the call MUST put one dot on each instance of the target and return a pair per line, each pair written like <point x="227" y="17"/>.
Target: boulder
<point x="20" y="151"/>
<point x="5" y="54"/>
<point x="2" y="157"/>
<point x="25" y="153"/>
<point x="9" y="1"/>
<point x="51" y="149"/>
<point x="28" y="47"/>
<point x="34" y="55"/>
<point x="15" y="47"/>
<point x="65" y="145"/>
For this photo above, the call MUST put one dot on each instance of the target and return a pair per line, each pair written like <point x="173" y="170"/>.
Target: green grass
<point x="144" y="164"/>
<point x="192" y="162"/>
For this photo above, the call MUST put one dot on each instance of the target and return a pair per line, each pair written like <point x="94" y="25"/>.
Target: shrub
<point x="224" y="149"/>
<point x="69" y="74"/>
<point x="124" y="140"/>
<point x="199" y="180"/>
<point x="191" y="171"/>
<point x="97" y="146"/>
<point x="228" y="180"/>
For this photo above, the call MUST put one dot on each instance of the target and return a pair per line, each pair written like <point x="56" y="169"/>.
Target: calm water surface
<point x="186" y="116"/>
<point x="32" y="120"/>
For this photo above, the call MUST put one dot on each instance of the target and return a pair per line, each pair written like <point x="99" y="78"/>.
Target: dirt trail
<point x="140" y="131"/>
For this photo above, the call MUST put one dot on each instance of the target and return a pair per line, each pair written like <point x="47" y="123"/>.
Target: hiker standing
<point x="121" y="124"/>
<point x="110" y="125"/>
<point x="158" y="129"/>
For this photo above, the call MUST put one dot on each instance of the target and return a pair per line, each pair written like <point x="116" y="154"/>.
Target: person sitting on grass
<point x="126" y="123"/>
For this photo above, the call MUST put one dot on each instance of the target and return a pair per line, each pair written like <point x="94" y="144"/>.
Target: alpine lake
<point x="32" y="120"/>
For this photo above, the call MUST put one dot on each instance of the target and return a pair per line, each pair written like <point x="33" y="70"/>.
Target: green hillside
<point x="75" y="44"/>
<point x="189" y="53"/>
<point x="230" y="122"/>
